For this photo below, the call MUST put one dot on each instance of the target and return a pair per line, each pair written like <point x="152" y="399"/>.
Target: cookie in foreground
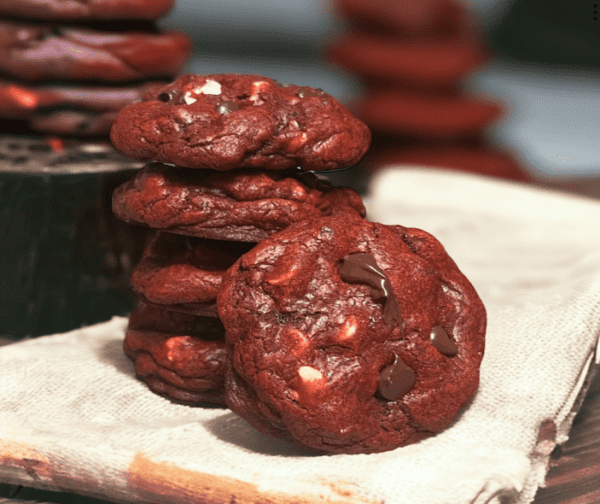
<point x="350" y="336"/>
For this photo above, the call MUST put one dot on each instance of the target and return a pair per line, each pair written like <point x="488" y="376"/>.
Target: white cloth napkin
<point x="73" y="417"/>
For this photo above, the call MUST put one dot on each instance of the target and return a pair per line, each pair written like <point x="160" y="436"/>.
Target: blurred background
<point x="546" y="65"/>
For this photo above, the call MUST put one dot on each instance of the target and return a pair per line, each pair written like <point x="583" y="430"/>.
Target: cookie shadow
<point x="233" y="429"/>
<point x="112" y="354"/>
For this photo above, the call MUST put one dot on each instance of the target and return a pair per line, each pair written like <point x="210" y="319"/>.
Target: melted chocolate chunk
<point x="395" y="380"/>
<point x="227" y="107"/>
<point x="171" y="97"/>
<point x="362" y="268"/>
<point x="307" y="92"/>
<point x="441" y="341"/>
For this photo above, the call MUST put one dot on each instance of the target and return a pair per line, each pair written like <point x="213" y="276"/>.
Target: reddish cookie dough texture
<point x="38" y="52"/>
<point x="426" y="116"/>
<point x="67" y="109"/>
<point x="86" y="9"/>
<point x="307" y="349"/>
<point x="427" y="62"/>
<point x="179" y="356"/>
<point x="184" y="271"/>
<point x="244" y="205"/>
<point x="228" y="121"/>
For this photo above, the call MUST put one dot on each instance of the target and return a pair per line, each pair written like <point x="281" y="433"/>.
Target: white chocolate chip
<point x="257" y="87"/>
<point x="188" y="99"/>
<point x="310" y="374"/>
<point x="211" y="87"/>
<point x="348" y="329"/>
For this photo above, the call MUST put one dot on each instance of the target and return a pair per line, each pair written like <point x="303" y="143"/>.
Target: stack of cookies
<point x="67" y="67"/>
<point x="227" y="149"/>
<point x="267" y="291"/>
<point x="413" y="57"/>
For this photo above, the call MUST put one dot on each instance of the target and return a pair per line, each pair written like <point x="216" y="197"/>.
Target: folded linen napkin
<point x="74" y="418"/>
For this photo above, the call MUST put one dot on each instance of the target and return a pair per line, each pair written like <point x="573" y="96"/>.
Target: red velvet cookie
<point x="41" y="52"/>
<point x="426" y="116"/>
<point x="350" y="336"/>
<point x="478" y="158"/>
<point x="67" y="109"/>
<point x="406" y="17"/>
<point x="242" y="205"/>
<point x="184" y="273"/>
<point x="179" y="356"/>
<point x="86" y="9"/>
<point x="428" y="62"/>
<point x="228" y="121"/>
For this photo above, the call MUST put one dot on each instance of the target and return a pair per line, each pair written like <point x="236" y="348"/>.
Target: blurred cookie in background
<point x="67" y="109"/>
<point x="86" y="9"/>
<point x="414" y="58"/>
<point x="108" y="52"/>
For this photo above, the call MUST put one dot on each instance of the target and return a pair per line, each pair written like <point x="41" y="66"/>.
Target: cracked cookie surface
<point x="245" y="205"/>
<point x="350" y="336"/>
<point x="227" y="121"/>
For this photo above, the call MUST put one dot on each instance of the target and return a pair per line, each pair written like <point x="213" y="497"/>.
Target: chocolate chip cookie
<point x="350" y="336"/>
<point x="229" y="121"/>
<point x="179" y="356"/>
<point x="241" y="205"/>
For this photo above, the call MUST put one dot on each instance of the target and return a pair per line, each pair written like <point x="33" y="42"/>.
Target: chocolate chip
<point x="171" y="97"/>
<point x="307" y="92"/>
<point x="441" y="341"/>
<point x="395" y="380"/>
<point x="227" y="107"/>
<point x="363" y="269"/>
